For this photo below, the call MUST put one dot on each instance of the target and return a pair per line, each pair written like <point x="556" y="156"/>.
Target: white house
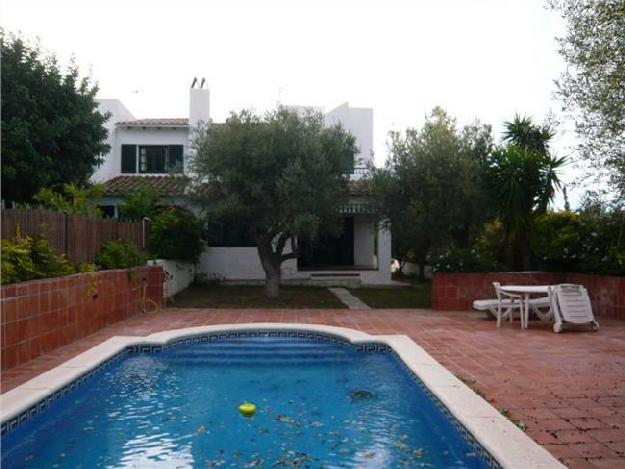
<point x="154" y="150"/>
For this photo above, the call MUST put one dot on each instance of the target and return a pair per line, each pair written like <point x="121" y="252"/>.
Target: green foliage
<point x="432" y="188"/>
<point x="26" y="258"/>
<point x="52" y="132"/>
<point x="139" y="203"/>
<point x="557" y="240"/>
<point x="176" y="233"/>
<point x="593" y="85"/>
<point x="73" y="199"/>
<point x="119" y="255"/>
<point x="589" y="241"/>
<point x="281" y="175"/>
<point x="523" y="178"/>
<point x="464" y="260"/>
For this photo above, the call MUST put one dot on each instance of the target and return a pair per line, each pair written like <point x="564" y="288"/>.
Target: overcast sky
<point x="485" y="59"/>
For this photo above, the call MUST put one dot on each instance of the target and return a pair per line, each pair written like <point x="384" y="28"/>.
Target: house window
<point x="152" y="159"/>
<point x="129" y="158"/>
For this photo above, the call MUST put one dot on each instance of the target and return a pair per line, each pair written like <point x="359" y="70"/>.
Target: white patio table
<point x="526" y="291"/>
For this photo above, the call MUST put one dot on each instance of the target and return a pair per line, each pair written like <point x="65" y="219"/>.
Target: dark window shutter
<point x="175" y="158"/>
<point x="129" y="158"/>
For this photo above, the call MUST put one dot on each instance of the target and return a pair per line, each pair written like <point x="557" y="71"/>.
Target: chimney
<point x="199" y="103"/>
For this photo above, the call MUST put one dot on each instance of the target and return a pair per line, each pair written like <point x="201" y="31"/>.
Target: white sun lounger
<point x="571" y="305"/>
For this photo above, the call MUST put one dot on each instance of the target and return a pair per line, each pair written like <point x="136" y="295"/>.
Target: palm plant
<point x="524" y="179"/>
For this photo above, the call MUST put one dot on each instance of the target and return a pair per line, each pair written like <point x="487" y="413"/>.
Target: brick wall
<point x="41" y="315"/>
<point x="456" y="292"/>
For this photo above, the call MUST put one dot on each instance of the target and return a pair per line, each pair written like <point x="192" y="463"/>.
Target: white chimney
<point x="199" y="103"/>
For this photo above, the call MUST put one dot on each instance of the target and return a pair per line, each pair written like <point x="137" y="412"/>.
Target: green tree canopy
<point x="52" y="133"/>
<point x="431" y="188"/>
<point x="593" y="86"/>
<point x="281" y="175"/>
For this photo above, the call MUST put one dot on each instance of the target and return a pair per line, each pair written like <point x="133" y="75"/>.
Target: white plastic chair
<point x="510" y="303"/>
<point x="500" y="308"/>
<point x="571" y="305"/>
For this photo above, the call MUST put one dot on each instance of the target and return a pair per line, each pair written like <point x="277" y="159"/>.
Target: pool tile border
<point x="497" y="440"/>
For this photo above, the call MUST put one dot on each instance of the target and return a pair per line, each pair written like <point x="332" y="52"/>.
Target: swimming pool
<point x="322" y="401"/>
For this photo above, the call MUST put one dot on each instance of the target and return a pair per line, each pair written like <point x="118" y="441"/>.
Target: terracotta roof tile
<point x="171" y="185"/>
<point x="167" y="122"/>
<point x="167" y="185"/>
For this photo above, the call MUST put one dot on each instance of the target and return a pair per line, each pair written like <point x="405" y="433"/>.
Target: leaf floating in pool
<point x="361" y="395"/>
<point x="418" y="453"/>
<point x="201" y="429"/>
<point x="215" y="463"/>
<point x="254" y="463"/>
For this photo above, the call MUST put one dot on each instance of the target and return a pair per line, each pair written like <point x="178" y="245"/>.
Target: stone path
<point x="567" y="389"/>
<point x="348" y="299"/>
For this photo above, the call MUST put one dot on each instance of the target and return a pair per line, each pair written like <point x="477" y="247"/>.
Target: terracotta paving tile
<point x="570" y="413"/>
<point x="609" y="463"/>
<point x="550" y="424"/>
<point x="608" y="435"/>
<point x="595" y="450"/>
<point x="587" y="423"/>
<point x="619" y="447"/>
<point x="573" y="437"/>
<point x="568" y="389"/>
<point x="578" y="463"/>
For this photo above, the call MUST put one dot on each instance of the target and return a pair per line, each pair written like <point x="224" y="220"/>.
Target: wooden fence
<point x="77" y="236"/>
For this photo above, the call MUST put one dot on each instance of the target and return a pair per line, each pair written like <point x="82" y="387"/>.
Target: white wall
<point x="178" y="275"/>
<point x="199" y="106"/>
<point x="383" y="273"/>
<point x="359" y="121"/>
<point x="237" y="263"/>
<point x="119" y="113"/>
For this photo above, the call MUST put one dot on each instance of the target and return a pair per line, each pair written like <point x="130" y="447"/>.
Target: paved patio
<point x="567" y="389"/>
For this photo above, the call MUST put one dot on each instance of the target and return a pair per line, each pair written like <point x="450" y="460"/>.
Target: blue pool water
<point x="320" y="405"/>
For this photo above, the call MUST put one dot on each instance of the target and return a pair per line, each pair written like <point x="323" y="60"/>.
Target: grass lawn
<point x="416" y="295"/>
<point x="252" y="296"/>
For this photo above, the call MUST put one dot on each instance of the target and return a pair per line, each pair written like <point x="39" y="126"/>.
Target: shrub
<point x="73" y="199"/>
<point x="26" y="258"/>
<point x="464" y="260"/>
<point x="589" y="241"/>
<point x="557" y="241"/>
<point x="138" y="203"/>
<point x="176" y="233"/>
<point x="119" y="255"/>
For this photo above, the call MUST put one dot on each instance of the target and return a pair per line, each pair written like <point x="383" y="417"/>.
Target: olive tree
<point x="281" y="175"/>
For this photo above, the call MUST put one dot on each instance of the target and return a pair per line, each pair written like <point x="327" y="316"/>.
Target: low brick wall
<point x="41" y="315"/>
<point x="456" y="292"/>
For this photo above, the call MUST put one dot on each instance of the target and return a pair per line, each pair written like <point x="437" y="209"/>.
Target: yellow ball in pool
<point x="247" y="409"/>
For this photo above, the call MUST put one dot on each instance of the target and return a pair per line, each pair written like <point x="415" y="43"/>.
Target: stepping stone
<point x="348" y="299"/>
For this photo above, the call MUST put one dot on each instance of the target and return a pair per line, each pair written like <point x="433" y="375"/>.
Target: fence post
<point x="66" y="235"/>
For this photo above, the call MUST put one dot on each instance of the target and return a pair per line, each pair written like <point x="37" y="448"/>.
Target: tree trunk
<point x="271" y="265"/>
<point x="421" y="259"/>
<point x="272" y="286"/>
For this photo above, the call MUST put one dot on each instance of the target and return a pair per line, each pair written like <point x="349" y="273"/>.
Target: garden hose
<point x="147" y="305"/>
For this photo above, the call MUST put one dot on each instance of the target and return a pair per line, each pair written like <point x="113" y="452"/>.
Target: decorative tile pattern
<point x="467" y="435"/>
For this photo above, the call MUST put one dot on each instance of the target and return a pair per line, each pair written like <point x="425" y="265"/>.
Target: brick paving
<point x="568" y="390"/>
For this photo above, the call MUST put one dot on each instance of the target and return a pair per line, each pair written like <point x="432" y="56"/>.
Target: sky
<point x="478" y="59"/>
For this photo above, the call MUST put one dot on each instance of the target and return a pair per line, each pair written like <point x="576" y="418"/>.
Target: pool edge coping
<point x="507" y="443"/>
